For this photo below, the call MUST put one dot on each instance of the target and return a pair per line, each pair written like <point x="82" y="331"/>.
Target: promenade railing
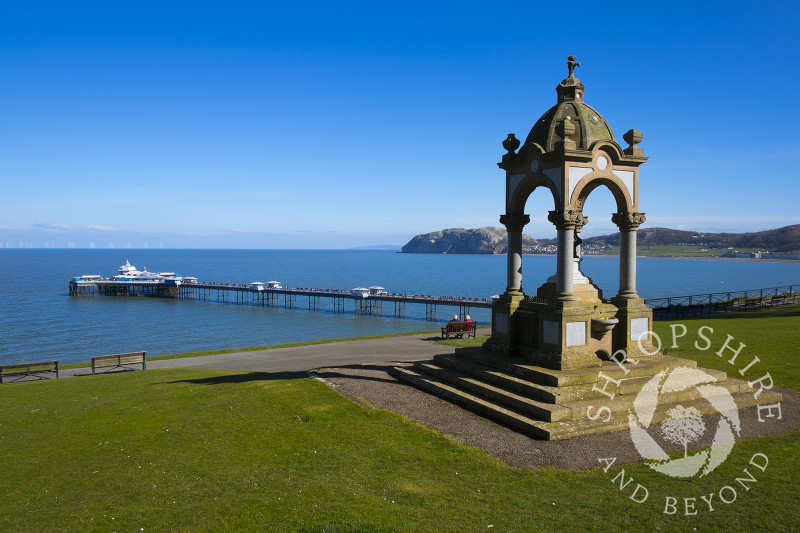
<point x="722" y="302"/>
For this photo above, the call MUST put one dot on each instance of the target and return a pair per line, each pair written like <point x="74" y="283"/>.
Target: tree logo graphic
<point x="682" y="425"/>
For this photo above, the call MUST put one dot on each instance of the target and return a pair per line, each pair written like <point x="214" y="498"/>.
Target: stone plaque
<point x="640" y="328"/>
<point x="576" y="333"/>
<point x="501" y="323"/>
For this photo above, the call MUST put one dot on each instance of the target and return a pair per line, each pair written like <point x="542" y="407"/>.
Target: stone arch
<point x="519" y="196"/>
<point x="609" y="149"/>
<point x="594" y="180"/>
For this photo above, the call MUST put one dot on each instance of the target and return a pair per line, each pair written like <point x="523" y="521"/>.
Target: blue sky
<point x="334" y="125"/>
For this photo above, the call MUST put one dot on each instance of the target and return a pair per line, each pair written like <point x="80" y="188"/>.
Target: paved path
<point x="304" y="358"/>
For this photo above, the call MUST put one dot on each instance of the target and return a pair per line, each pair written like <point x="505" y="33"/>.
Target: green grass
<point x="772" y="335"/>
<point x="194" y="450"/>
<point x="675" y="250"/>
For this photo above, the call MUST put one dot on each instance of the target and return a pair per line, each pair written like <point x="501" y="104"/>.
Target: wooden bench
<point x="459" y="329"/>
<point x="119" y="360"/>
<point x="753" y="303"/>
<point x="21" y="370"/>
<point x="777" y="300"/>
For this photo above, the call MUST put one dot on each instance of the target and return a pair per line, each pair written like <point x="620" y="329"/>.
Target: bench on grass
<point x="459" y="329"/>
<point x="119" y="360"/>
<point x="39" y="370"/>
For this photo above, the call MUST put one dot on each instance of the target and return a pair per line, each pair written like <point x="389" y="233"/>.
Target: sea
<point x="40" y="321"/>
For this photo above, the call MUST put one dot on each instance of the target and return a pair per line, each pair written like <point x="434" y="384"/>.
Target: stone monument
<point x="557" y="358"/>
<point x="570" y="151"/>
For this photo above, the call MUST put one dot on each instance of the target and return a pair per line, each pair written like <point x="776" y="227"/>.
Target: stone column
<point x="578" y="256"/>
<point x="628" y="223"/>
<point x="514" y="224"/>
<point x="565" y="222"/>
<point x="566" y="245"/>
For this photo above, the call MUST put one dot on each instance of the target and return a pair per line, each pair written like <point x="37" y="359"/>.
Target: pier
<point x="369" y="302"/>
<point x="364" y="302"/>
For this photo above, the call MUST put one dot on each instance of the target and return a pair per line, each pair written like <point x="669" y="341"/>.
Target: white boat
<point x="128" y="272"/>
<point x="127" y="269"/>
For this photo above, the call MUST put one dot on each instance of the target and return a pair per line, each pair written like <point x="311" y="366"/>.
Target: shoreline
<point x="703" y="258"/>
<point x="742" y="259"/>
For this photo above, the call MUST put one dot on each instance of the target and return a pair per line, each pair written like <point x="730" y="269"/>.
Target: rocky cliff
<point x="487" y="240"/>
<point x="492" y="240"/>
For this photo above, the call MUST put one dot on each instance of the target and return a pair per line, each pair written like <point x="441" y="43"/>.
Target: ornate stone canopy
<point x="571" y="150"/>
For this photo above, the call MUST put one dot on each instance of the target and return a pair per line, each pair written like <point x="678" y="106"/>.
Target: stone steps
<point x="473" y="403"/>
<point x="519" y="403"/>
<point x="566" y="378"/>
<point x="524" y="398"/>
<point x="529" y="405"/>
<point x="619" y="420"/>
<point x="597" y="388"/>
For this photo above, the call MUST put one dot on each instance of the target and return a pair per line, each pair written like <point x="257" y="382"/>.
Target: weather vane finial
<point x="571" y="64"/>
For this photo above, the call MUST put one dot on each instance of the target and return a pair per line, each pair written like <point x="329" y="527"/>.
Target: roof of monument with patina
<point x="589" y="125"/>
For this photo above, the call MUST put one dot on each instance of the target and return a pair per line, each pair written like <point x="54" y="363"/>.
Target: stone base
<point x="634" y="333"/>
<point x="502" y="322"/>
<point x="577" y="330"/>
<point x="557" y="404"/>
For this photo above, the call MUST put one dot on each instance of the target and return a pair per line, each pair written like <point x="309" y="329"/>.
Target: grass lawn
<point x="676" y="250"/>
<point x="193" y="450"/>
<point x="771" y="335"/>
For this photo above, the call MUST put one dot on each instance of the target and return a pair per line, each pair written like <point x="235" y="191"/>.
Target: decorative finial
<point x="571" y="64"/>
<point x="633" y="137"/>
<point x="511" y="143"/>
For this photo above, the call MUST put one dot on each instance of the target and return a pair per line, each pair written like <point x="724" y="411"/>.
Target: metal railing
<point x="722" y="302"/>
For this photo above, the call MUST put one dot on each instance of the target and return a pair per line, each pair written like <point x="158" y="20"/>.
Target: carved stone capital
<point x="569" y="219"/>
<point x="628" y="221"/>
<point x="514" y="222"/>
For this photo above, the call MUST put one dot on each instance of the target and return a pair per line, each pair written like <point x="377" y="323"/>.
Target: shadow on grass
<point x="355" y="371"/>
<point x="359" y="372"/>
<point x="244" y="378"/>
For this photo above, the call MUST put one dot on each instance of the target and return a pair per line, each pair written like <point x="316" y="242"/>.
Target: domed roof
<point x="570" y="120"/>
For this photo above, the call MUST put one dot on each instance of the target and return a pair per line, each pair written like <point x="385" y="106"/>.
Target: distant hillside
<point x="488" y="240"/>
<point x="785" y="239"/>
<point x="492" y="240"/>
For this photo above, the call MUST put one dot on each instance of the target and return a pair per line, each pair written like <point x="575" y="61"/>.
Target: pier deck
<point x="272" y="297"/>
<point x="368" y="304"/>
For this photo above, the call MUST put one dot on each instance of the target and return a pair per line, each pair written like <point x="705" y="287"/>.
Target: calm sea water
<point x="38" y="319"/>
